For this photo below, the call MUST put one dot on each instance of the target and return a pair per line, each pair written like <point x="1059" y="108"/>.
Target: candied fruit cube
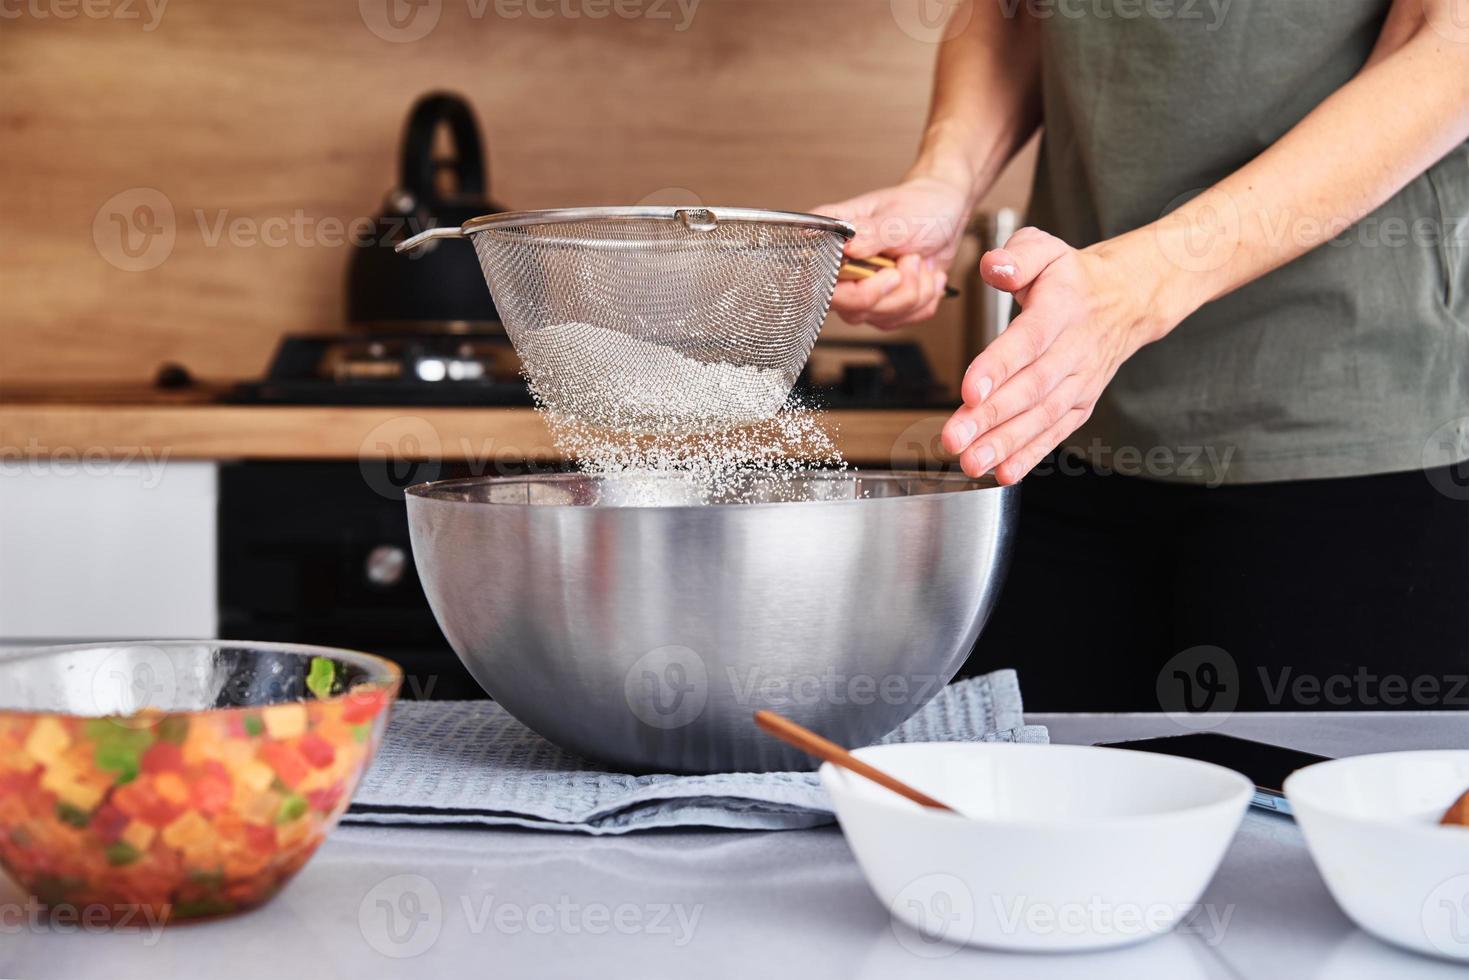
<point x="47" y="740"/>
<point x="162" y="757"/>
<point x="189" y="830"/>
<point x="293" y="807"/>
<point x="72" y="786"/>
<point x="362" y="704"/>
<point x="260" y="838"/>
<point x="255" y="776"/>
<point x="140" y="799"/>
<point x="247" y="864"/>
<point x="109" y="822"/>
<point x="285" y="720"/>
<point x="171" y="788"/>
<point x="286" y="761"/>
<point x="317" y="750"/>
<point x="138" y="834"/>
<point x="211" y="791"/>
<point x="259" y="808"/>
<point x="236" y="753"/>
<point x="292" y="833"/>
<point x="325" y="800"/>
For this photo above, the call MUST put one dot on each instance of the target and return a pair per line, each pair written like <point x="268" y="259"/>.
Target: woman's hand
<point x="1082" y="314"/>
<point x="919" y="222"/>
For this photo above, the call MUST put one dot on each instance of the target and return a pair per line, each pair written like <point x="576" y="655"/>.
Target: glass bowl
<point x="182" y="778"/>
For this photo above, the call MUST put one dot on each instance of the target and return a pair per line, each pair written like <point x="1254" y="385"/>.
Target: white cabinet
<point x="105" y="549"/>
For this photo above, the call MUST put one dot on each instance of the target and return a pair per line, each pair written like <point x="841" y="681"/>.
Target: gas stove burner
<point x="405" y="369"/>
<point x="482" y="369"/>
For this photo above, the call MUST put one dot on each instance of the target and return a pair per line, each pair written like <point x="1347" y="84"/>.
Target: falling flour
<point x="671" y="428"/>
<point x="621" y="381"/>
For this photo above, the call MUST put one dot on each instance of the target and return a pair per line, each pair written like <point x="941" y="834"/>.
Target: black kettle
<point x="433" y="288"/>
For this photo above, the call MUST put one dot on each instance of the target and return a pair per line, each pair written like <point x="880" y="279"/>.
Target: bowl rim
<point x="1311" y="801"/>
<point x="1243" y="789"/>
<point x="386" y="675"/>
<point x="438" y="490"/>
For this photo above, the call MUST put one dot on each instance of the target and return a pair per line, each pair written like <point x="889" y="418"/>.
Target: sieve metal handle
<point x="409" y="244"/>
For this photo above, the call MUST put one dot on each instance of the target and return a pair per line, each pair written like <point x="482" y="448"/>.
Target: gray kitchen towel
<point x="469" y="762"/>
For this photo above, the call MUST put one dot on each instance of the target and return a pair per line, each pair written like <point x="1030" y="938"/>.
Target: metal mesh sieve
<point x="658" y="318"/>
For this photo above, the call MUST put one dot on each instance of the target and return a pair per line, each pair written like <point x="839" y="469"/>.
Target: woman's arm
<point x="986" y="104"/>
<point x="986" y="97"/>
<point x="1085" y="312"/>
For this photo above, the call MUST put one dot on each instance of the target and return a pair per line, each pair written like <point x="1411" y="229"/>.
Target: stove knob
<point x="385" y="565"/>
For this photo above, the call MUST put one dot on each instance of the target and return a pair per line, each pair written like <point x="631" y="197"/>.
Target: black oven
<point x="318" y="552"/>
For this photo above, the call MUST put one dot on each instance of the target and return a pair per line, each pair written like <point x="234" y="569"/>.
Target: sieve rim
<point x="550" y="216"/>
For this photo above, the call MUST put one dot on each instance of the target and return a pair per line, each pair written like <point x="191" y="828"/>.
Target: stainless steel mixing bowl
<point x="630" y="621"/>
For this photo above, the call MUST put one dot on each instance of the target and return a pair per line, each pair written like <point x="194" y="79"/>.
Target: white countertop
<point x="518" y="904"/>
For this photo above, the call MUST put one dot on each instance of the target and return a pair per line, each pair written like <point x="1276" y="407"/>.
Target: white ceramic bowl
<point x="1061" y="847"/>
<point x="1371" y="822"/>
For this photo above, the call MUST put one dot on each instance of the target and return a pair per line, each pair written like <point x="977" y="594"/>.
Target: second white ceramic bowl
<point x="1061" y="847"/>
<point x="1371" y="822"/>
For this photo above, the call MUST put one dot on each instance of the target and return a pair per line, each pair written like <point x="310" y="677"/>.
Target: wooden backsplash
<point x="277" y="115"/>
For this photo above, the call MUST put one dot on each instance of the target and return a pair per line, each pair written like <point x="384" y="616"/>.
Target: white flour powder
<point x="622" y="406"/>
<point x="596" y="374"/>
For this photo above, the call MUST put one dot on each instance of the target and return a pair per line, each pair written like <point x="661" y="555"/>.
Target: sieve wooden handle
<point x="854" y="269"/>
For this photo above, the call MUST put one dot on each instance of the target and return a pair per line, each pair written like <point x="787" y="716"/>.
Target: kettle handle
<point x="417" y="169"/>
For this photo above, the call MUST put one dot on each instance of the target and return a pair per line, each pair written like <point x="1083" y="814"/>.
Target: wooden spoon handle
<point x="813" y="744"/>
<point x="1459" y="812"/>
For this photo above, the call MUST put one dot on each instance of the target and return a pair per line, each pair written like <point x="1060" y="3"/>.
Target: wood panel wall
<point x="282" y="111"/>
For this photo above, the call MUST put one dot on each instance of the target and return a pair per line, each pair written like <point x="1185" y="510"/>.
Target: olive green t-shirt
<point x="1354" y="358"/>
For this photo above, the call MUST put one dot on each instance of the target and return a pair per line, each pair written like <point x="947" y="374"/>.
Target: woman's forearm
<point x="1405" y="110"/>
<point x="986" y="96"/>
